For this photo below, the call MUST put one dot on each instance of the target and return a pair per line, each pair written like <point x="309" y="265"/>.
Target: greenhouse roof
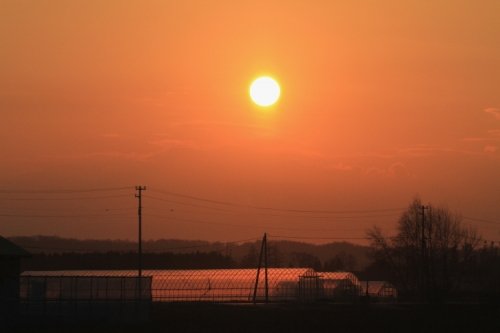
<point x="192" y="273"/>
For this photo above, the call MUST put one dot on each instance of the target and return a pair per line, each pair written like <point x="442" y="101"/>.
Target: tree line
<point x="435" y="257"/>
<point x="196" y="260"/>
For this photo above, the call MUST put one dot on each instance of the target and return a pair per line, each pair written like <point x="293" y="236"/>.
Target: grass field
<point x="183" y="317"/>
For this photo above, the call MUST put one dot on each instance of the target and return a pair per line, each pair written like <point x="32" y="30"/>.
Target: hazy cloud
<point x="342" y="166"/>
<point x="136" y="156"/>
<point x="374" y="171"/>
<point x="399" y="169"/>
<point x="110" y="135"/>
<point x="168" y="144"/>
<point x="494" y="132"/>
<point x="427" y="150"/>
<point x="494" y="111"/>
<point x="490" y="149"/>
<point x="211" y="124"/>
<point x="475" y="139"/>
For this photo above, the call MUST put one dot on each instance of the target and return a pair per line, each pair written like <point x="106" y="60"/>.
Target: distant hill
<point x="337" y="255"/>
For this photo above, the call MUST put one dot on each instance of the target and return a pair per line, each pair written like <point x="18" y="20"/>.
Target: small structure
<point x="10" y="271"/>
<point x="342" y="286"/>
<point x="379" y="290"/>
<point x="310" y="287"/>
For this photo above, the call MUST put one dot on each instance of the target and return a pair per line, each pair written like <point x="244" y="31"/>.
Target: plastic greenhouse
<point x="215" y="285"/>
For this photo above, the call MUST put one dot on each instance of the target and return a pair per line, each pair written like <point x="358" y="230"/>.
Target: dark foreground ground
<point x="288" y="318"/>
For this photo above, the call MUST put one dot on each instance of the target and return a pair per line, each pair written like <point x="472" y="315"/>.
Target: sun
<point x="265" y="91"/>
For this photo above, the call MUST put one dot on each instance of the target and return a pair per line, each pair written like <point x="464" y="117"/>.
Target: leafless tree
<point x="430" y="252"/>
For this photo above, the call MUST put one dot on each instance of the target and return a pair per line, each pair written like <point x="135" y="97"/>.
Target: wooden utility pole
<point x="265" y="268"/>
<point x="138" y="195"/>
<point x="263" y="253"/>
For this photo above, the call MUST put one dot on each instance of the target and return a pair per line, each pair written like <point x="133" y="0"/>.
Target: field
<point x="191" y="317"/>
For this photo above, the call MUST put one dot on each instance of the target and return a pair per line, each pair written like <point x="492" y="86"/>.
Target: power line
<point x="270" y="214"/>
<point x="327" y="238"/>
<point x="64" y="191"/>
<point x="62" y="208"/>
<point x="62" y="199"/>
<point x="197" y="221"/>
<point x="233" y="204"/>
<point x="60" y="216"/>
<point x="278" y="215"/>
<point x="186" y="204"/>
<point x="480" y="220"/>
<point x="240" y="225"/>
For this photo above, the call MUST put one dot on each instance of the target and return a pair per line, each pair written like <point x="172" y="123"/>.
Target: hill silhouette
<point x="335" y="256"/>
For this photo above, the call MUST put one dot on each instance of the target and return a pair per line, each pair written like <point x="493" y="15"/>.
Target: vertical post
<point x="265" y="268"/>
<point x="138" y="195"/>
<point x="258" y="269"/>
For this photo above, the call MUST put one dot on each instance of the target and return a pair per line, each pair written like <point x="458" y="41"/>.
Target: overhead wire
<point x="245" y="225"/>
<point x="60" y="216"/>
<point x="233" y="204"/>
<point x="71" y="208"/>
<point x="185" y="204"/>
<point x="65" y="191"/>
<point x="321" y="237"/>
<point x="288" y="213"/>
<point x="63" y="199"/>
<point x="480" y="220"/>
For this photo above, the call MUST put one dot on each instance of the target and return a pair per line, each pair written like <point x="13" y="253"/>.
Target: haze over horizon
<point x="381" y="101"/>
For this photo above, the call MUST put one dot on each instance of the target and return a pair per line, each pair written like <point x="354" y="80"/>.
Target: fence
<point x="90" y="296"/>
<point x="205" y="285"/>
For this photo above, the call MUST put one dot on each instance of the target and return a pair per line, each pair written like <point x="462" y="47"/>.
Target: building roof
<point x="9" y="249"/>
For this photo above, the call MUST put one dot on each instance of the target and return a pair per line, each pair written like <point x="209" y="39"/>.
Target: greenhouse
<point x="381" y="290"/>
<point x="205" y="285"/>
<point x="339" y="285"/>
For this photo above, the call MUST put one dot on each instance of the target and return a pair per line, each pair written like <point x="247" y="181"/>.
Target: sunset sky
<point x="381" y="101"/>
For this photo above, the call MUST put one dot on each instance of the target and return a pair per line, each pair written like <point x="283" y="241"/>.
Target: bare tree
<point x="430" y="252"/>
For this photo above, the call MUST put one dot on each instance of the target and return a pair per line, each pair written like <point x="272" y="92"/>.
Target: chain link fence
<point x="204" y="285"/>
<point x="87" y="296"/>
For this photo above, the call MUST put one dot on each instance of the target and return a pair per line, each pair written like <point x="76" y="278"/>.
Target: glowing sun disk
<point x="265" y="91"/>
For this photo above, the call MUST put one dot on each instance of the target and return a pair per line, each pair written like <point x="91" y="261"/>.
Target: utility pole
<point x="265" y="268"/>
<point x="263" y="253"/>
<point x="138" y="195"/>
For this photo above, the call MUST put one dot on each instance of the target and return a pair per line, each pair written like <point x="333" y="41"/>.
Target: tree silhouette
<point x="342" y="261"/>
<point x="431" y="253"/>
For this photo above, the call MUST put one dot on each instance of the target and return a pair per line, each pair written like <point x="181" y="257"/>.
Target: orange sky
<point x="381" y="101"/>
